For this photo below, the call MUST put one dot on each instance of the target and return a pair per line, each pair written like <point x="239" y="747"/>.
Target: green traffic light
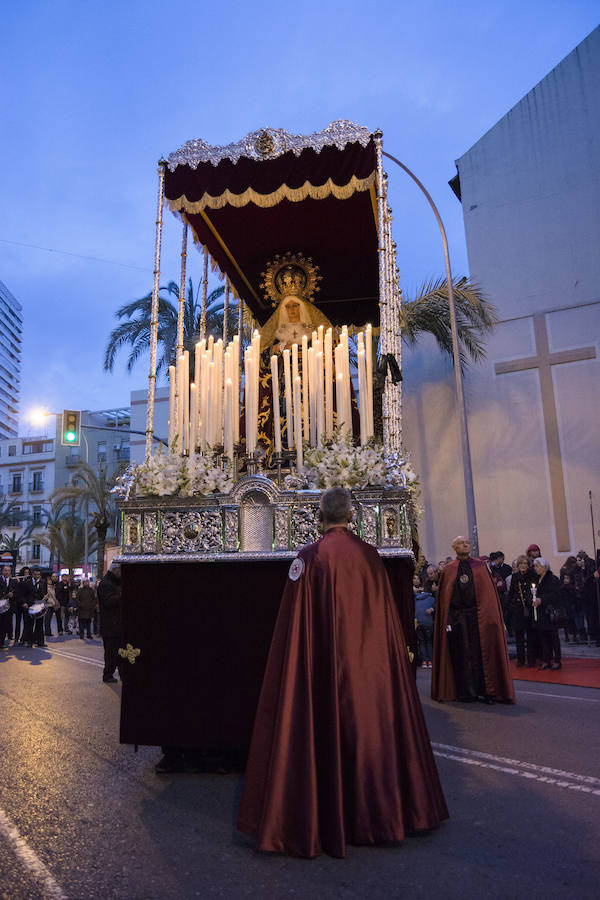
<point x="70" y="436"/>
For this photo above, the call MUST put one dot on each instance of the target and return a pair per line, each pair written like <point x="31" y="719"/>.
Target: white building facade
<point x="530" y="193"/>
<point x="11" y="336"/>
<point x="32" y="467"/>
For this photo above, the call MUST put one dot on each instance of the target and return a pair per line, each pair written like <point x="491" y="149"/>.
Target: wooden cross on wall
<point x="542" y="361"/>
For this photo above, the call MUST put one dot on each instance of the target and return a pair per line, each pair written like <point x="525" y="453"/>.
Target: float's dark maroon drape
<point x="204" y="631"/>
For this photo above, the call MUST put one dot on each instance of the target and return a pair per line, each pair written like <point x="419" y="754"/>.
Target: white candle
<point x="248" y="388"/>
<point x="185" y="444"/>
<point x="321" y="330"/>
<point x="369" y="364"/>
<point x="193" y="417"/>
<point x="298" y="421"/>
<point x="172" y="423"/>
<point x="362" y="390"/>
<point x="328" y="385"/>
<point x="320" y="398"/>
<point x="339" y="395"/>
<point x="228" y="429"/>
<point x="179" y="403"/>
<point x="211" y="407"/>
<point x="235" y="410"/>
<point x="276" y="414"/>
<point x="288" y="400"/>
<point x="312" y="396"/>
<point x="305" y="414"/>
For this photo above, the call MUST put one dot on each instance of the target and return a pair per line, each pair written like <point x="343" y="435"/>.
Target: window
<point x="35" y="551"/>
<point x="35" y="447"/>
<point x="12" y="449"/>
<point x="15" y="517"/>
<point x="37" y="515"/>
<point x="48" y="446"/>
<point x="16" y="483"/>
<point x="101" y="451"/>
<point x="37" y="484"/>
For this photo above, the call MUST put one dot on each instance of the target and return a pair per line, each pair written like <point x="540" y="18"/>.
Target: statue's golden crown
<point x="290" y="275"/>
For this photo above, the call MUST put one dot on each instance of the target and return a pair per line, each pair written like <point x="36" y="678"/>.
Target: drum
<point x="4" y="605"/>
<point x="37" y="610"/>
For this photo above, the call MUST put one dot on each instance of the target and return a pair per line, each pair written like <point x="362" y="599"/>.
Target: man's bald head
<point x="461" y="546"/>
<point x="335" y="507"/>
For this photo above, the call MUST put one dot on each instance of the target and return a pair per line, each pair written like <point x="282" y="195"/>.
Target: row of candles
<point x="205" y="414"/>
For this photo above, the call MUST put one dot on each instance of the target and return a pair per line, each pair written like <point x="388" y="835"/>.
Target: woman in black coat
<point x="547" y="601"/>
<point x="520" y="611"/>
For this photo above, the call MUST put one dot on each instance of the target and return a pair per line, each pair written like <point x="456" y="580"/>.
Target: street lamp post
<point x="462" y="409"/>
<point x="86" y="539"/>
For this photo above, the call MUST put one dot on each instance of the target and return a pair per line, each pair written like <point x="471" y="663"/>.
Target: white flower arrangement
<point x="171" y="475"/>
<point x="338" y="463"/>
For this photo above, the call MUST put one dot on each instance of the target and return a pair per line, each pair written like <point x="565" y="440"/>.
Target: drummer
<point x="33" y="626"/>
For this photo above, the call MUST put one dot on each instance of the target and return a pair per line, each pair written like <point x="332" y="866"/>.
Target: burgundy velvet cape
<point x="494" y="652"/>
<point x="340" y="751"/>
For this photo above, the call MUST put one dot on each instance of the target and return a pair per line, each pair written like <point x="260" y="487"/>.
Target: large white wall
<point x="531" y="206"/>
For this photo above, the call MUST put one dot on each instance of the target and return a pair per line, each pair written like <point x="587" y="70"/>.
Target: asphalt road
<point x="83" y="817"/>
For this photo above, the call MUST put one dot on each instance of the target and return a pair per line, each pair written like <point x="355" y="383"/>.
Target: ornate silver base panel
<point x="253" y="521"/>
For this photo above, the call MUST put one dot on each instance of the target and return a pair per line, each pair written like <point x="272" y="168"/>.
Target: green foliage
<point x="428" y="313"/>
<point x="65" y="537"/>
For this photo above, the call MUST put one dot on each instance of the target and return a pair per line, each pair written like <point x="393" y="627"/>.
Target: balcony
<point x="14" y="489"/>
<point x="73" y="459"/>
<point x="36" y="487"/>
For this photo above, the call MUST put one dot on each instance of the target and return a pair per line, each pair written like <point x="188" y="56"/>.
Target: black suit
<point x="6" y="587"/>
<point x="33" y="629"/>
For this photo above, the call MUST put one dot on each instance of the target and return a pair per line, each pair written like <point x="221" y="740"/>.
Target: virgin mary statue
<point x="291" y="281"/>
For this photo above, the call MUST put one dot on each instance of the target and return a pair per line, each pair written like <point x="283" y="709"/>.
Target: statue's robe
<point x="471" y="659"/>
<point x="340" y="752"/>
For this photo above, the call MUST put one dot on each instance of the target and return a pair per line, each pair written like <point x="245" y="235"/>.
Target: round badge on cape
<point x="296" y="569"/>
<point x="464" y="579"/>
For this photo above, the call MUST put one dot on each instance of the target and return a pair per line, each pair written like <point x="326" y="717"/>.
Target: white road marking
<point x="559" y="696"/>
<point x="587" y="784"/>
<point x="77" y="657"/>
<point x="51" y="888"/>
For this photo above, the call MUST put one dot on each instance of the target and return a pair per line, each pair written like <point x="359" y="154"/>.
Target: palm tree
<point x="135" y="331"/>
<point x="428" y="313"/>
<point x="92" y="489"/>
<point x="51" y="518"/>
<point x="12" y="545"/>
<point x="7" y="513"/>
<point x="66" y="536"/>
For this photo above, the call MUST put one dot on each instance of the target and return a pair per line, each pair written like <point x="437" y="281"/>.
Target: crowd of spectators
<point x="72" y="603"/>
<point x="537" y="604"/>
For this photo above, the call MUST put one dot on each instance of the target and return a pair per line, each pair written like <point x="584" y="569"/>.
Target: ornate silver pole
<point x="181" y="308"/>
<point x="154" y="312"/>
<point x="226" y="311"/>
<point x="383" y="296"/>
<point x="204" y="296"/>
<point x="462" y="409"/>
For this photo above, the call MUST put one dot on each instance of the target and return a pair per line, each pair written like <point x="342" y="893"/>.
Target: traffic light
<point x="71" y="428"/>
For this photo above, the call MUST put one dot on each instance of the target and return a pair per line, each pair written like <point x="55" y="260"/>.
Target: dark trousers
<point x="48" y="621"/>
<point x="33" y="629"/>
<point x="85" y="624"/>
<point x="5" y="618"/>
<point x="64" y="610"/>
<point x="112" y="660"/>
<point x="550" y="646"/>
<point x="18" y="614"/>
<point x="526" y="636"/>
<point x="425" y="641"/>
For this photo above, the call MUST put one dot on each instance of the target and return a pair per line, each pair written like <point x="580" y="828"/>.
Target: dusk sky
<point x="95" y="93"/>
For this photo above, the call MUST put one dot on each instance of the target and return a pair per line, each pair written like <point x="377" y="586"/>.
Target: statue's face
<point x="292" y="307"/>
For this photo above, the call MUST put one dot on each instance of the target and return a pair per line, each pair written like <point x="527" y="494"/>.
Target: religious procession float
<point x="300" y="393"/>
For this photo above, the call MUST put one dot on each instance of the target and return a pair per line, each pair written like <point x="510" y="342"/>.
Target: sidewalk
<point x="568" y="649"/>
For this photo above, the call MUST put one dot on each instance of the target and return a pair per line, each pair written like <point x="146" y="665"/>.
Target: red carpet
<point x="580" y="672"/>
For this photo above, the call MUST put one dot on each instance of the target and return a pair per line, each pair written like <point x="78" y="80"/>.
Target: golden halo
<point x="290" y="274"/>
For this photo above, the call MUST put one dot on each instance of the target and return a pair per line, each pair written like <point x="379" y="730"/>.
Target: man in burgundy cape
<point x="340" y="751"/>
<point x="470" y="657"/>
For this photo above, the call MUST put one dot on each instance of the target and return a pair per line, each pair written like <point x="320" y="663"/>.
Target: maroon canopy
<point x="274" y="192"/>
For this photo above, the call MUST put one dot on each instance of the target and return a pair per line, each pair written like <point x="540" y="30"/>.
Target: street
<point x="83" y="817"/>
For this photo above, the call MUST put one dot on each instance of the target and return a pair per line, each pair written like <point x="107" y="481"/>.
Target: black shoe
<point x="520" y="665"/>
<point x="555" y="667"/>
<point x="543" y="666"/>
<point x="170" y="764"/>
<point x="110" y="680"/>
<point x="42" y="646"/>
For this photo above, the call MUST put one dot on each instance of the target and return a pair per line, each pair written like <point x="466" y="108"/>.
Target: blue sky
<point x="95" y="93"/>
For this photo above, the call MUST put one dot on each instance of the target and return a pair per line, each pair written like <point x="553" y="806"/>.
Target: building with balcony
<point x="32" y="467"/>
<point x="11" y="330"/>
